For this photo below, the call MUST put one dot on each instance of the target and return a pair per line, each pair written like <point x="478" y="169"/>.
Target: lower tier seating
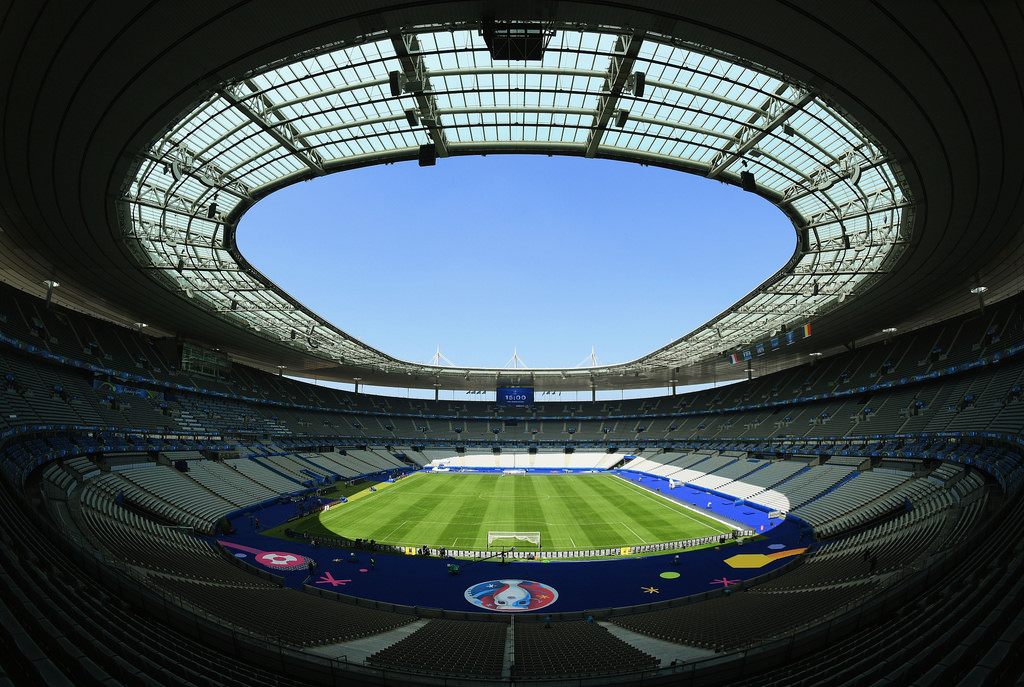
<point x="468" y="648"/>
<point x="569" y="648"/>
<point x="743" y="618"/>
<point x="287" y="615"/>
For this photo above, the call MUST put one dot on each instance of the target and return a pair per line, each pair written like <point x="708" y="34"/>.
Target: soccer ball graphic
<point x="280" y="559"/>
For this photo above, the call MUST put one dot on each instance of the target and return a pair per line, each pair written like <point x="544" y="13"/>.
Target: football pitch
<point x="571" y="511"/>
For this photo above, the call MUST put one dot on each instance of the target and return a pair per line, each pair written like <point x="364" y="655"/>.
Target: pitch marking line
<point x="686" y="511"/>
<point x="682" y="505"/>
<point x="385" y="537"/>
<point x="642" y="540"/>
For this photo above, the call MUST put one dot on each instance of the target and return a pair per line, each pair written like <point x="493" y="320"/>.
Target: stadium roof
<point x="148" y="151"/>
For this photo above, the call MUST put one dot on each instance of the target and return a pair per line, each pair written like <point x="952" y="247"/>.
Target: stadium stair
<point x="833" y="488"/>
<point x="273" y="468"/>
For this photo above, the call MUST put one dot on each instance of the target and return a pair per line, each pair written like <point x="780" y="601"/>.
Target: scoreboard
<point x="515" y="396"/>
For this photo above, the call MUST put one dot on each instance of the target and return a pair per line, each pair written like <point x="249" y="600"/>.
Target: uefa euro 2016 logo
<point x="511" y="596"/>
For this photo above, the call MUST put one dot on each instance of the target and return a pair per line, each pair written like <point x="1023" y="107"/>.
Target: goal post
<point x="504" y="540"/>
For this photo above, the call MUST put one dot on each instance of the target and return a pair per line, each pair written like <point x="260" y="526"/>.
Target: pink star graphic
<point x="328" y="578"/>
<point x="725" y="582"/>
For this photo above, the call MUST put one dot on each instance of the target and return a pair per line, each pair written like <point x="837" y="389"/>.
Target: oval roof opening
<point x="551" y="258"/>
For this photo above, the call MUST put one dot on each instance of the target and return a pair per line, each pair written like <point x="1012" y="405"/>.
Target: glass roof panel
<point x="699" y="111"/>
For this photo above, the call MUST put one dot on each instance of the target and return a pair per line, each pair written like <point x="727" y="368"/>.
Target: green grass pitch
<point x="571" y="511"/>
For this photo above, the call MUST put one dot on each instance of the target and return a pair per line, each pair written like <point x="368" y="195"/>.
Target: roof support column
<point x="619" y="71"/>
<point x="775" y="113"/>
<point x="258" y="109"/>
<point x="416" y="81"/>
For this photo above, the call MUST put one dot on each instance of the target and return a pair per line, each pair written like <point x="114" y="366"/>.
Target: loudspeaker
<point x="747" y="181"/>
<point x="620" y="118"/>
<point x="396" y="86"/>
<point x="639" y="83"/>
<point x="428" y="156"/>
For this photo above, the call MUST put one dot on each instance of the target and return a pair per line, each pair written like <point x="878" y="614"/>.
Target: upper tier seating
<point x="580" y="460"/>
<point x="990" y="400"/>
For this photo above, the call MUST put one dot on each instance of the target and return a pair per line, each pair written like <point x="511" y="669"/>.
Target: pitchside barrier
<point x="612" y="551"/>
<point x="525" y="554"/>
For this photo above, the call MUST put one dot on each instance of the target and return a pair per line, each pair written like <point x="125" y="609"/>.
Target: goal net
<point x="510" y="539"/>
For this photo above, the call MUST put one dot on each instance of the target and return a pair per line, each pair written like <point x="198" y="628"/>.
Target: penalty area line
<point x="684" y="506"/>
<point x="396" y="527"/>
<point x="642" y="540"/>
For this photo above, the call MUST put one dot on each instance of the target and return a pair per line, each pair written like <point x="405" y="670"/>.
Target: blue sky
<point x="547" y="255"/>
